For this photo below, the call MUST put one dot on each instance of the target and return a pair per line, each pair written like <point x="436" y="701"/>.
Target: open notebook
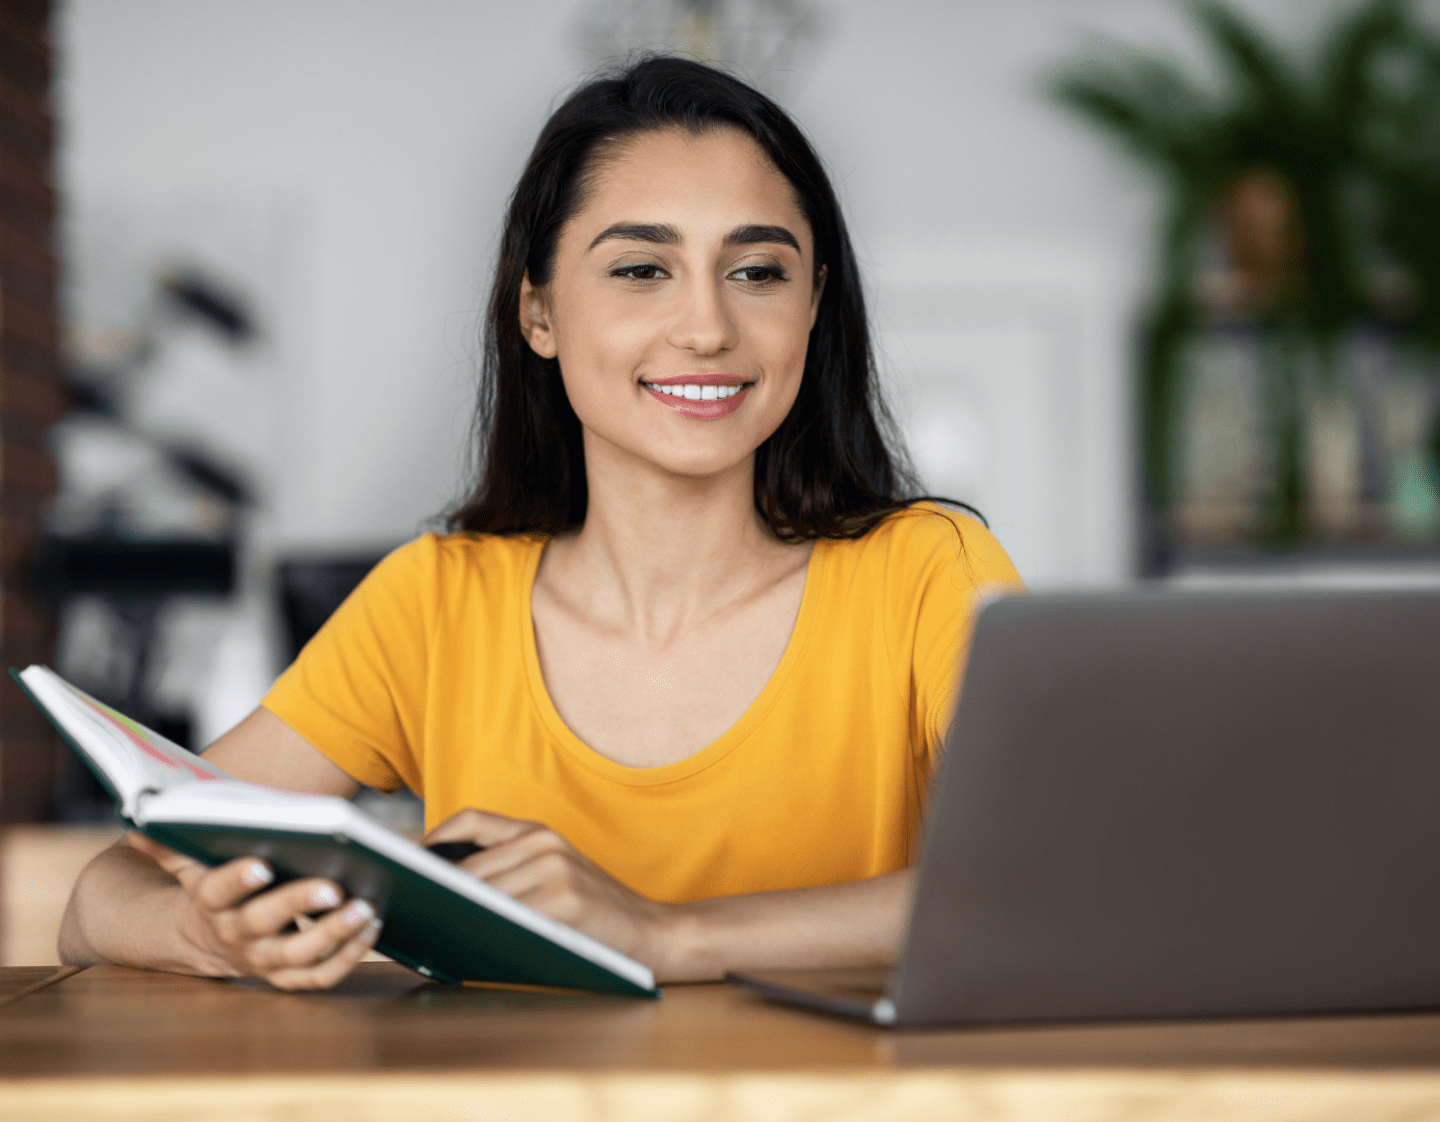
<point x="437" y="918"/>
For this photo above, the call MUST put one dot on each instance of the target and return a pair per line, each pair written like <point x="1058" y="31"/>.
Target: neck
<point x="659" y="552"/>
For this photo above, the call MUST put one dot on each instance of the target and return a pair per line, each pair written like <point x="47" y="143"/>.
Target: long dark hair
<point x="833" y="469"/>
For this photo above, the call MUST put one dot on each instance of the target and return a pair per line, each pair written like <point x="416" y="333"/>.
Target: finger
<point x="325" y="974"/>
<point x="271" y="912"/>
<point x="503" y="857"/>
<point x="320" y="942"/>
<point x="227" y="885"/>
<point x="173" y="862"/>
<point x="147" y="845"/>
<point x="557" y="898"/>
<point x="543" y="875"/>
<point x="478" y="826"/>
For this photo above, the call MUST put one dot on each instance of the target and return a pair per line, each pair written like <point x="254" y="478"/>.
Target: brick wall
<point x="31" y="391"/>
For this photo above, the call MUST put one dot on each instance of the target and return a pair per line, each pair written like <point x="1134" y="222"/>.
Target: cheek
<point x="601" y="353"/>
<point x="783" y="341"/>
<point x="603" y="339"/>
<point x="595" y="353"/>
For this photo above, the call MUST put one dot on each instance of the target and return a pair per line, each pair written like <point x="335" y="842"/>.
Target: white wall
<point x="377" y="142"/>
<point x="367" y="150"/>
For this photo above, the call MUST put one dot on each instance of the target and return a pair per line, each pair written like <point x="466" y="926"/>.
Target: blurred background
<point x="1155" y="287"/>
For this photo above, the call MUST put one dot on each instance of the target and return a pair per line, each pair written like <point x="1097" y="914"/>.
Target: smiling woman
<point x="830" y="469"/>
<point x="708" y="298"/>
<point x="684" y="665"/>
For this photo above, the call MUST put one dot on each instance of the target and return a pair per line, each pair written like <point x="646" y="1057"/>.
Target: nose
<point x="703" y="322"/>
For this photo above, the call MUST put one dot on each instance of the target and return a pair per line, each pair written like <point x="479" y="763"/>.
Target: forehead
<point x="703" y="184"/>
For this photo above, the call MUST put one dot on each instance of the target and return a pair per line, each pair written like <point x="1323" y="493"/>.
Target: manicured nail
<point x="358" y="912"/>
<point x="325" y="897"/>
<point x="258" y="875"/>
<point x="372" y="932"/>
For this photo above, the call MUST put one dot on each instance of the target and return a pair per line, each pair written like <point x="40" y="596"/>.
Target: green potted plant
<point x="1320" y="179"/>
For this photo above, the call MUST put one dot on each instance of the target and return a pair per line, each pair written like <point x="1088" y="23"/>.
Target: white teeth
<point x="698" y="393"/>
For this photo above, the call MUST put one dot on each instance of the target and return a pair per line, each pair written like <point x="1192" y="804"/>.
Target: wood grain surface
<point x="110" y="1043"/>
<point x="25" y="980"/>
<point x="922" y="1096"/>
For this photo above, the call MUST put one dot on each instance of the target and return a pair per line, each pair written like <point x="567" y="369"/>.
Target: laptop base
<point x="858" y="993"/>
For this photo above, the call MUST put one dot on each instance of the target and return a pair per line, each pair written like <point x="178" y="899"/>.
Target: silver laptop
<point x="1166" y="805"/>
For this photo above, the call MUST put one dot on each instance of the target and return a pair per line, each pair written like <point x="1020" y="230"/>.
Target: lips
<point x="705" y="396"/>
<point x="701" y="410"/>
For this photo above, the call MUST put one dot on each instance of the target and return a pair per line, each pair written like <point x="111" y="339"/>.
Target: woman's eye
<point x="638" y="272"/>
<point x="759" y="274"/>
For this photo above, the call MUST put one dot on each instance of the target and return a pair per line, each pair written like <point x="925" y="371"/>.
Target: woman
<point x="684" y="668"/>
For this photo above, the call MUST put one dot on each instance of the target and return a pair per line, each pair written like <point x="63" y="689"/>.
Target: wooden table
<point x="109" y="1043"/>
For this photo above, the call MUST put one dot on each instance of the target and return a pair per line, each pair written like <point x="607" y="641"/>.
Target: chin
<point x="692" y="455"/>
<point x="702" y="462"/>
<point x="700" y="467"/>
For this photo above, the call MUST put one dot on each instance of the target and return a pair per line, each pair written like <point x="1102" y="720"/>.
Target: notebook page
<point x="134" y="757"/>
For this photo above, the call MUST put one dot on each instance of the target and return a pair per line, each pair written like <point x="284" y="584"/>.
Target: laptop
<point x="1160" y="805"/>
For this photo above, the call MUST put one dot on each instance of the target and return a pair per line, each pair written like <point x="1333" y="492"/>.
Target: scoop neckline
<point x="706" y="757"/>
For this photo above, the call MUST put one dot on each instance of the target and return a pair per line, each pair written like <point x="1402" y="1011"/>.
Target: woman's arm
<point x="855" y="924"/>
<point x="140" y="904"/>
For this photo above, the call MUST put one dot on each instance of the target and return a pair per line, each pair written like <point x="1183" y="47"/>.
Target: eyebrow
<point x="760" y="235"/>
<point x="663" y="234"/>
<point x="652" y="232"/>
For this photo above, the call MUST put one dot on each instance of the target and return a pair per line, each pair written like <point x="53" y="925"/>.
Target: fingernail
<point x="325" y="897"/>
<point x="258" y="875"/>
<point x="358" y="912"/>
<point x="372" y="932"/>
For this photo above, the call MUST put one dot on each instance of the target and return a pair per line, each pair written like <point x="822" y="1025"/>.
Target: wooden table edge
<point x="911" y="1095"/>
<point x="60" y="974"/>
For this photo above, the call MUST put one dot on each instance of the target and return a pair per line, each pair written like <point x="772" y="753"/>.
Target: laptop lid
<point x="1160" y="805"/>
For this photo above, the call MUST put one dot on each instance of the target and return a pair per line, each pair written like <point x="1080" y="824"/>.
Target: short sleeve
<point x="944" y="563"/>
<point x="357" y="690"/>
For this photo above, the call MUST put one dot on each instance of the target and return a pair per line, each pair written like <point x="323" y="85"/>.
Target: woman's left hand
<point x="538" y="867"/>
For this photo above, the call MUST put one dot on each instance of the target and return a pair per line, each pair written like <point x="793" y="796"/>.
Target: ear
<point x="535" y="320"/>
<point x="820" y="275"/>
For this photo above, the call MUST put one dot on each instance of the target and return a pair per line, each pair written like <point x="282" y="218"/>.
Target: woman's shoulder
<point x="446" y="562"/>
<point x="928" y="537"/>
<point x="462" y="546"/>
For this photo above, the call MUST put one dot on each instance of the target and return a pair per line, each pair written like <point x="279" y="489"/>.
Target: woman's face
<point x="681" y="301"/>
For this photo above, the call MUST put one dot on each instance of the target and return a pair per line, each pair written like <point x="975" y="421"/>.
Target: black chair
<point x="136" y="578"/>
<point x="311" y="588"/>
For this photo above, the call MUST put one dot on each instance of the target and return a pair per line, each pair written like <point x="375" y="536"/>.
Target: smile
<point x="696" y="393"/>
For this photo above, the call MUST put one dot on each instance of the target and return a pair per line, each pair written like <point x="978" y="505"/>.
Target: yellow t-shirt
<point x="427" y="676"/>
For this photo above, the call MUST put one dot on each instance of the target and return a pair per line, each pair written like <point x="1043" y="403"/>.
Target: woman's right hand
<point x="236" y="930"/>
